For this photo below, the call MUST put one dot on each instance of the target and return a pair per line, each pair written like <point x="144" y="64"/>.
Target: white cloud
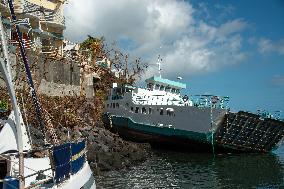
<point x="268" y="46"/>
<point x="187" y="45"/>
<point x="278" y="80"/>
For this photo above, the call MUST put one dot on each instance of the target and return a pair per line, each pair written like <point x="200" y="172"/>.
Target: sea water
<point x="168" y="169"/>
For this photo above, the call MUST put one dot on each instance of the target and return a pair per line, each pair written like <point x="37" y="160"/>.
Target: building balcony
<point x="4" y="3"/>
<point x="18" y="5"/>
<point x="54" y="18"/>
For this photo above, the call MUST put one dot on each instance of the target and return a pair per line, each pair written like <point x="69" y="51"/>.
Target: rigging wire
<point x="27" y="69"/>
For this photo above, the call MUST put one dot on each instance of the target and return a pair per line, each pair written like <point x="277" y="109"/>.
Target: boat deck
<point x="245" y="131"/>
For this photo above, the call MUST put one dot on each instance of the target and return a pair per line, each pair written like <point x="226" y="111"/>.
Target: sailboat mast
<point x="6" y="70"/>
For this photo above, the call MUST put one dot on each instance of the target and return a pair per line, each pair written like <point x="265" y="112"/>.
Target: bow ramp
<point x="245" y="131"/>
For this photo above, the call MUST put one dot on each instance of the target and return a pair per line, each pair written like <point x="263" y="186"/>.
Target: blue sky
<point x="227" y="47"/>
<point x="258" y="81"/>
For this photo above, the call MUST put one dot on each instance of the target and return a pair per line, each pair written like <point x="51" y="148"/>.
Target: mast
<point x="6" y="70"/>
<point x="159" y="65"/>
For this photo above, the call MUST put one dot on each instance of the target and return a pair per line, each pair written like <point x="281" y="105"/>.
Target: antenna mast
<point x="159" y="65"/>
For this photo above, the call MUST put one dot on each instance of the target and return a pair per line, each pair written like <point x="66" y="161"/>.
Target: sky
<point x="221" y="47"/>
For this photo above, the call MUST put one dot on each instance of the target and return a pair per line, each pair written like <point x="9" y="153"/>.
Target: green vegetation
<point x="3" y="105"/>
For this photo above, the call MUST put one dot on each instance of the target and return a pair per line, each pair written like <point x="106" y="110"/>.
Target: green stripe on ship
<point x="163" y="131"/>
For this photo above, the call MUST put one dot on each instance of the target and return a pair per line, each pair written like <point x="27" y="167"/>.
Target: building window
<point x="137" y="110"/>
<point x="117" y="105"/>
<point x="150" y="110"/>
<point x="113" y="105"/>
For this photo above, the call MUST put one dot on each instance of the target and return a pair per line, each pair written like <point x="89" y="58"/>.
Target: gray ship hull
<point x="195" y="129"/>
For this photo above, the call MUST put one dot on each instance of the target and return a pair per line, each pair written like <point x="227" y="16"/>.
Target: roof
<point x="166" y="82"/>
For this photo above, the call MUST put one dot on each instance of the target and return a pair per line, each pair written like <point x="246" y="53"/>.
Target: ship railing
<point x="67" y="159"/>
<point x="210" y="101"/>
<point x="271" y="115"/>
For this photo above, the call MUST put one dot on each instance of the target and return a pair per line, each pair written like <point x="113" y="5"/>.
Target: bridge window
<point x="168" y="88"/>
<point x="157" y="87"/>
<point x="150" y="86"/>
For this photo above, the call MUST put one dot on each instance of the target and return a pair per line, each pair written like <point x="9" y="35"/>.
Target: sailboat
<point x="64" y="166"/>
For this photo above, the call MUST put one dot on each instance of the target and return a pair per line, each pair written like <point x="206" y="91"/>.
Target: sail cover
<point x="8" y="141"/>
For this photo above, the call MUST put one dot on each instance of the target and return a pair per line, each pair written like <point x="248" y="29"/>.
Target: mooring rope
<point x="212" y="131"/>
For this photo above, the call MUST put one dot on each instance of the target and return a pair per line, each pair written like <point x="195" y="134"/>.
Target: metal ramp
<point x="245" y="131"/>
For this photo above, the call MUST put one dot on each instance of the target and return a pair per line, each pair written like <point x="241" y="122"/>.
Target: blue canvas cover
<point x="10" y="183"/>
<point x="62" y="157"/>
<point x="78" y="156"/>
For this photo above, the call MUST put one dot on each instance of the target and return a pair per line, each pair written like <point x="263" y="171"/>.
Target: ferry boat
<point x="60" y="165"/>
<point x="160" y="115"/>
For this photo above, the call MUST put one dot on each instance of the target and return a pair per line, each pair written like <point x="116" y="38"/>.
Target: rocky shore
<point x="106" y="150"/>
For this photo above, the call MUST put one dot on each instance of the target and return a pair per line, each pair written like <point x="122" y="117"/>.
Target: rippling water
<point x="183" y="170"/>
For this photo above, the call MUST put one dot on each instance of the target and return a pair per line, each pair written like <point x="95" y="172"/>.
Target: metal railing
<point x="43" y="14"/>
<point x="55" y="17"/>
<point x="4" y="3"/>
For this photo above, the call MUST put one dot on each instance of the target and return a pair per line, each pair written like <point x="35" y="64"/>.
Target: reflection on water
<point x="181" y="170"/>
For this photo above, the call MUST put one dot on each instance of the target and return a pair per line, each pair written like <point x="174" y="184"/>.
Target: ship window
<point x="161" y="111"/>
<point x="150" y="110"/>
<point x="170" y="112"/>
<point x="132" y="109"/>
<point x="137" y="110"/>
<point x="113" y="105"/>
<point x="168" y="88"/>
<point x="127" y="104"/>
<point x="162" y="87"/>
<point x="157" y="87"/>
<point x="173" y="90"/>
<point x="107" y="105"/>
<point x="117" y="105"/>
<point x="177" y="91"/>
<point x="144" y="110"/>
